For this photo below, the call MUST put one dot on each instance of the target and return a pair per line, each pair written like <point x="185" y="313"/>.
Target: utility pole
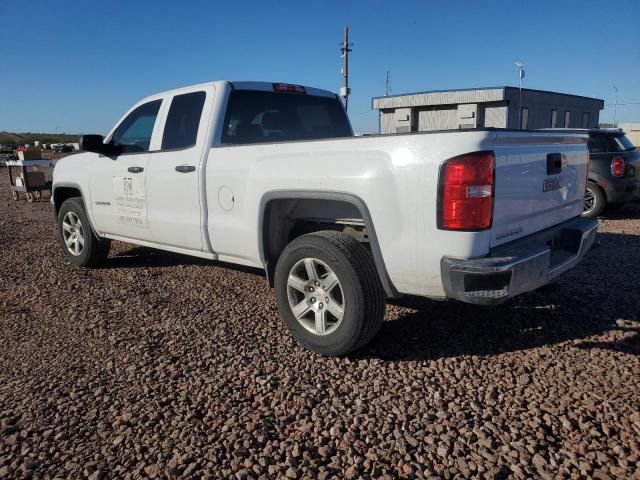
<point x="344" y="49"/>
<point x="521" y="76"/>
<point x="615" y="109"/>
<point x="387" y="84"/>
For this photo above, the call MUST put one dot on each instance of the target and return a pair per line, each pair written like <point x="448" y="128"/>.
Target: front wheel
<point x="78" y="242"/>
<point x="594" y="201"/>
<point x="329" y="293"/>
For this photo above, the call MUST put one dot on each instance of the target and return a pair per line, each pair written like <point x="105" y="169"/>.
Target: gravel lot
<point x="164" y="366"/>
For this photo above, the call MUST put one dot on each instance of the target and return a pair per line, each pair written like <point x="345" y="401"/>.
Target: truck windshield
<point x="261" y="116"/>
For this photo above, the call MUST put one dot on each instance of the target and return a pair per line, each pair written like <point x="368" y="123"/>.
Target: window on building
<point x="524" y="117"/>
<point x="181" y="128"/>
<point x="585" y="119"/>
<point x="554" y="118"/>
<point x="567" y="118"/>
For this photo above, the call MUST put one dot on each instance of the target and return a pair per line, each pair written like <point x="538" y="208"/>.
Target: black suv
<point x="614" y="171"/>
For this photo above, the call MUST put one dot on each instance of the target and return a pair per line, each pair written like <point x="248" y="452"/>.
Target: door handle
<point x="185" y="168"/>
<point x="135" y="169"/>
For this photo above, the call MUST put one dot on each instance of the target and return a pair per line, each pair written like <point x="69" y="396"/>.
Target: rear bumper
<point x="519" y="266"/>
<point x="623" y="190"/>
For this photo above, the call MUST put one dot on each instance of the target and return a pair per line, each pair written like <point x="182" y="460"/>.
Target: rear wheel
<point x="329" y="293"/>
<point x="594" y="201"/>
<point x="78" y="242"/>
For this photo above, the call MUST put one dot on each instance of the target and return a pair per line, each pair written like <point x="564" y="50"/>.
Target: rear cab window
<point x="183" y="120"/>
<point x="255" y="116"/>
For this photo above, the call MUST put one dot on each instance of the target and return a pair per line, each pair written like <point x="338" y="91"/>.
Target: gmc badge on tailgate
<point x="552" y="183"/>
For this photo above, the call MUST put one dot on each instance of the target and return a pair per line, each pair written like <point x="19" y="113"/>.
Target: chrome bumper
<point x="519" y="266"/>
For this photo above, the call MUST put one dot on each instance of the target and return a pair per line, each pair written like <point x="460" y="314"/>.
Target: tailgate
<point x="539" y="182"/>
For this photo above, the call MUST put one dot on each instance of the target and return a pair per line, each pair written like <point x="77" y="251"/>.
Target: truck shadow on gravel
<point x="150" y="257"/>
<point x="145" y="257"/>
<point x="598" y="298"/>
<point x="628" y="211"/>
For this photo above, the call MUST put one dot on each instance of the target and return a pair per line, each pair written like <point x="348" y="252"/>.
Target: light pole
<point x="615" y="109"/>
<point x="520" y="77"/>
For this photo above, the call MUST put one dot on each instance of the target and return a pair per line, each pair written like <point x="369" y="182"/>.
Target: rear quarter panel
<point x="395" y="176"/>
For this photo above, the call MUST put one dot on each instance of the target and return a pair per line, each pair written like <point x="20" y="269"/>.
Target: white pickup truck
<point x="270" y="175"/>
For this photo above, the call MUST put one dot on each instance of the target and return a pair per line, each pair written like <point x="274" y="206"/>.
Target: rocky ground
<point x="162" y="366"/>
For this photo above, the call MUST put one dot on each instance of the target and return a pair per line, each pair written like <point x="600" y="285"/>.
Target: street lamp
<point x="520" y="76"/>
<point x="615" y="109"/>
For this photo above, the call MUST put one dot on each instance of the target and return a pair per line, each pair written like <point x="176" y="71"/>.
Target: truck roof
<point x="245" y="85"/>
<point x="609" y="131"/>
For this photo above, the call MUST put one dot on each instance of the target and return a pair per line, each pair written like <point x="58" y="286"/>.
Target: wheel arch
<point x="266" y="213"/>
<point x="62" y="191"/>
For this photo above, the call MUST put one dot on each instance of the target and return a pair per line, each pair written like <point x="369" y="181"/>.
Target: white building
<point x="499" y="107"/>
<point x="633" y="132"/>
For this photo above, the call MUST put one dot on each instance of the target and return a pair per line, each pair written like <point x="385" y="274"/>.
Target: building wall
<point x="447" y="97"/>
<point x="495" y="115"/>
<point x="387" y="121"/>
<point x="493" y="107"/>
<point x="438" y="119"/>
<point x="541" y="104"/>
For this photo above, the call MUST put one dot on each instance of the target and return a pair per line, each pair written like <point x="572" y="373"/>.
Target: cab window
<point x="181" y="128"/>
<point x="263" y="116"/>
<point x="133" y="135"/>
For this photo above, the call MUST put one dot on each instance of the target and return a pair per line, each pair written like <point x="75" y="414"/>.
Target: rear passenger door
<point x="174" y="171"/>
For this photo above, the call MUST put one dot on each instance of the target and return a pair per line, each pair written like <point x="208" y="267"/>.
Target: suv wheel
<point x="594" y="201"/>
<point x="329" y="293"/>
<point x="78" y="242"/>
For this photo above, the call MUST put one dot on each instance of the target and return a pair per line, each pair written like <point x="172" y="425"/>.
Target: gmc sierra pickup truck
<point x="269" y="175"/>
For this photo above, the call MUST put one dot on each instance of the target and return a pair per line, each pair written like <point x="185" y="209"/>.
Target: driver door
<point x="118" y="183"/>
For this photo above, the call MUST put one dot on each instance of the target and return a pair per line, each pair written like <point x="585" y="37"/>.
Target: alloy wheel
<point x="315" y="296"/>
<point x="73" y="233"/>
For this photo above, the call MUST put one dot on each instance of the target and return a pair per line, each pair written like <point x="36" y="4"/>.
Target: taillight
<point x="287" y="87"/>
<point x="617" y="166"/>
<point x="466" y="192"/>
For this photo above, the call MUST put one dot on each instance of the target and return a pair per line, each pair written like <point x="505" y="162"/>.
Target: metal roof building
<point x="485" y="107"/>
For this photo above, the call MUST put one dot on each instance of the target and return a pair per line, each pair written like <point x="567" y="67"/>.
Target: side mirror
<point x="93" y="143"/>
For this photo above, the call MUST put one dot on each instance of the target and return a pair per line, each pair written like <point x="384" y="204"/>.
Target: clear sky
<point x="76" y="66"/>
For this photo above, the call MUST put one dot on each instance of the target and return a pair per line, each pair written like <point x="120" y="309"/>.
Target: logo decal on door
<point x="127" y="186"/>
<point x="131" y="201"/>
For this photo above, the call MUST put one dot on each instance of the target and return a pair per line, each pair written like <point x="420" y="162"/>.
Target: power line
<point x="363" y="112"/>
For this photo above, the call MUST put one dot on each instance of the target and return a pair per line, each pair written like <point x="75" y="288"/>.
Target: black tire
<point x="29" y="196"/>
<point x="595" y="201"/>
<point x="361" y="291"/>
<point x="95" y="250"/>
